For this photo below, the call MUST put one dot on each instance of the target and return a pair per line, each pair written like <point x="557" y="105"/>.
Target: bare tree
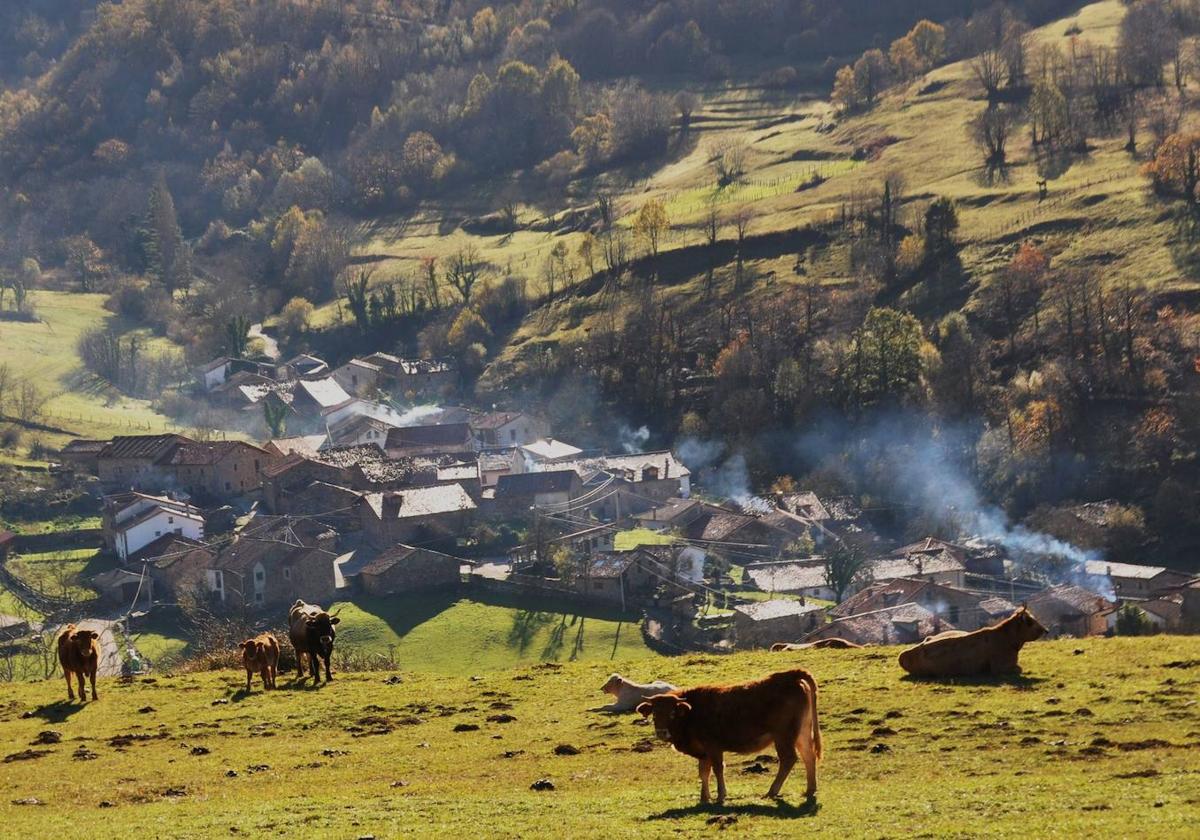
<point x="464" y="270"/>
<point x="991" y="131"/>
<point x="988" y="68"/>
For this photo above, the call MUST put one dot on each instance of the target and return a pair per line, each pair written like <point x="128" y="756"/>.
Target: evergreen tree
<point x="168" y="256"/>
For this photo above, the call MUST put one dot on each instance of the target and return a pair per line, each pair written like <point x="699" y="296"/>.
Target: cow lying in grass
<point x="79" y="656"/>
<point x="820" y="643"/>
<point x="628" y="694"/>
<point x="711" y="720"/>
<point x="311" y="631"/>
<point x="260" y="655"/>
<point x="992" y="650"/>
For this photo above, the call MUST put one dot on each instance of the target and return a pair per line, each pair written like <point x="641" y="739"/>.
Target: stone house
<point x="82" y="455"/>
<point x="793" y="577"/>
<point x="495" y="463"/>
<point x="508" y="428"/>
<point x="135" y="462"/>
<point x="763" y="623"/>
<point x="621" y="578"/>
<point x="904" y="624"/>
<point x="361" y="468"/>
<point x="274" y="561"/>
<point x="1130" y="580"/>
<point x="1069" y="610"/>
<point x="640" y="482"/>
<point x="175" y="563"/>
<point x="941" y="566"/>
<point x="403" y="568"/>
<point x="965" y="610"/>
<point x="517" y="493"/>
<point x="218" y="469"/>
<point x="673" y="514"/>
<point x="359" y="377"/>
<point x="415" y="514"/>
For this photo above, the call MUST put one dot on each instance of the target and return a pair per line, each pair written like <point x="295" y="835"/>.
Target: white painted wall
<point x="130" y="540"/>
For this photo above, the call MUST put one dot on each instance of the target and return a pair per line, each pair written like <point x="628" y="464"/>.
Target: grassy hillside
<point x="46" y="350"/>
<point x="450" y="635"/>
<point x="1098" y="739"/>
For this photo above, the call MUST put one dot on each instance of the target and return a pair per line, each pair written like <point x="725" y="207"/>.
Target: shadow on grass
<point x="1019" y="680"/>
<point x="300" y="684"/>
<point x="58" y="711"/>
<point x="779" y="809"/>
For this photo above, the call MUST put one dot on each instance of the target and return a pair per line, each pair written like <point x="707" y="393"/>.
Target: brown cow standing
<point x="711" y="720"/>
<point x="79" y="656"/>
<point x="311" y="631"/>
<point x="991" y="650"/>
<point x="261" y="655"/>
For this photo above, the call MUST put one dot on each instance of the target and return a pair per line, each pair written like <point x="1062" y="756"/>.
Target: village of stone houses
<point x="431" y="505"/>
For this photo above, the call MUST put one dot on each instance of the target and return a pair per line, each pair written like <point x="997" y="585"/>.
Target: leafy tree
<point x="651" y="223"/>
<point x="941" y="221"/>
<point x="295" y="316"/>
<point x="85" y="261"/>
<point x="275" y="414"/>
<point x="871" y="75"/>
<point x="1175" y="169"/>
<point x="355" y="288"/>
<point x="887" y="354"/>
<point x="1131" y="621"/>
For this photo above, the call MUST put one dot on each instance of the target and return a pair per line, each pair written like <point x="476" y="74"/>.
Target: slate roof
<point x="529" y="484"/>
<point x="1083" y="601"/>
<point x="495" y="419"/>
<point x="912" y="565"/>
<point x="717" y="527"/>
<point x="446" y="434"/>
<point x="83" y="446"/>
<point x="166" y="550"/>
<point x="301" y="444"/>
<point x="804" y="504"/>
<point x="609" y="564"/>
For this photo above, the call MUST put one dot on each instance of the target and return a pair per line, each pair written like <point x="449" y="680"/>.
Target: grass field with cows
<point x="1098" y="738"/>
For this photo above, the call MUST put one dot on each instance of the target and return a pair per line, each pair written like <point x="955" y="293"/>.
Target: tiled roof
<point x="83" y="446"/>
<point x="805" y="504"/>
<point x="788" y="577"/>
<point x="495" y="419"/>
<point x="775" y="608"/>
<point x="1083" y="601"/>
<point x="886" y="568"/>
<point x="420" y="501"/>
<point x="1103" y="568"/>
<point x="665" y="462"/>
<point x="551" y="449"/>
<point x="302" y="444"/>
<point x="165" y="550"/>
<point x="717" y="527"/>
<point x="142" y="446"/>
<point x="609" y="564"/>
<point x="204" y="454"/>
<point x="326" y="393"/>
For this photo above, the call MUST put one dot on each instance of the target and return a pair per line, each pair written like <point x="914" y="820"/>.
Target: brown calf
<point x="711" y="720"/>
<point x="79" y="656"/>
<point x="260" y="655"/>
<point x="992" y="650"/>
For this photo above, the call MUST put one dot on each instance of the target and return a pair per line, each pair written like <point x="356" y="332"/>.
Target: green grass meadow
<point x="1099" y="738"/>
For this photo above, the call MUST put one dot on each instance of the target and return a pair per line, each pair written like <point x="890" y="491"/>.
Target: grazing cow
<point x="629" y="694"/>
<point x="260" y="655"/>
<point x="311" y="631"/>
<point x="991" y="650"/>
<point x="711" y="720"/>
<point x="840" y="644"/>
<point x="79" y="656"/>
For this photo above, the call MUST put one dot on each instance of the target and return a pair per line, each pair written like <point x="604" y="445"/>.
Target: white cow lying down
<point x="629" y="694"/>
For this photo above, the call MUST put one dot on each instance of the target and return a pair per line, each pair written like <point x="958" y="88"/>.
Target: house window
<point x="158" y="533"/>
<point x="354" y="380"/>
<point x="258" y="597"/>
<point x="259" y="575"/>
<point x="287" y="574"/>
<point x="256" y="465"/>
<point x="226" y="485"/>
<point x="179" y="530"/>
<point x="170" y="520"/>
<point x="512" y="434"/>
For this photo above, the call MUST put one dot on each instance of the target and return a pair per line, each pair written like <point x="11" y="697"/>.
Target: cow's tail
<point x="809" y="685"/>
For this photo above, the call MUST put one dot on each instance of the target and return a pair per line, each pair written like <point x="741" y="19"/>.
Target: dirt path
<point x="110" y="651"/>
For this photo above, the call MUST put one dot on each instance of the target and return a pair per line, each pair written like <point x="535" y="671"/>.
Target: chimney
<point x="391" y="504"/>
